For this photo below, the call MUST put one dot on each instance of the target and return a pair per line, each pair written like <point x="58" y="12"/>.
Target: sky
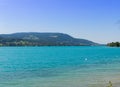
<point x="95" y="20"/>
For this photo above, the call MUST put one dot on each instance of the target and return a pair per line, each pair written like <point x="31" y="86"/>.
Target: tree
<point x="114" y="44"/>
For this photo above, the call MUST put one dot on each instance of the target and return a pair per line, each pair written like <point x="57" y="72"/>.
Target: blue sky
<point x="96" y="20"/>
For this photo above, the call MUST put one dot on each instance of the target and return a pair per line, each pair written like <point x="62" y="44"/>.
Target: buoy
<point x="86" y="59"/>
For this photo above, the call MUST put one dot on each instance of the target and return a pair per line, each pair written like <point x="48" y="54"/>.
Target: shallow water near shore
<point x="65" y="66"/>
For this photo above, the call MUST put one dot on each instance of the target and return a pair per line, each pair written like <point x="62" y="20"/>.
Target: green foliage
<point x="1" y="44"/>
<point x="110" y="84"/>
<point x="114" y="44"/>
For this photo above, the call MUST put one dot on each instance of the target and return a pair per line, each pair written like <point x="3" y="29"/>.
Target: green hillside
<point x="42" y="39"/>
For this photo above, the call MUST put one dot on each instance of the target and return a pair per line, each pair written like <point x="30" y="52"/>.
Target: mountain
<point x="42" y="39"/>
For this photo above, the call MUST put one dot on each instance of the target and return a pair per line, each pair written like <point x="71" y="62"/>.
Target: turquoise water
<point x="59" y="66"/>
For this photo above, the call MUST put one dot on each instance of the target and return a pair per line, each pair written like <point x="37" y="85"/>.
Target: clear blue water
<point x="72" y="66"/>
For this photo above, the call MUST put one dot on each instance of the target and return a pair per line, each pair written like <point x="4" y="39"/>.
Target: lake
<point x="59" y="66"/>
